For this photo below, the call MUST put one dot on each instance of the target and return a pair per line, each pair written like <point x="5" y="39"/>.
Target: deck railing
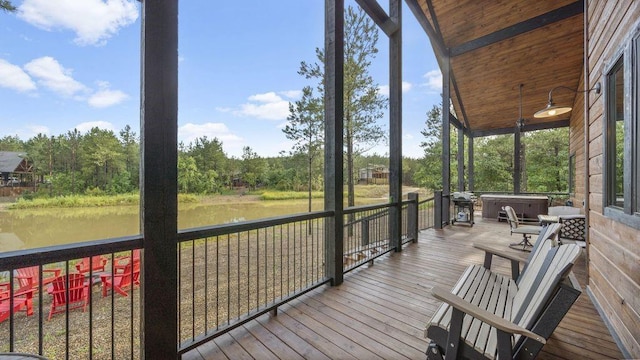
<point x="106" y="327"/>
<point x="426" y="213"/>
<point x="228" y="275"/>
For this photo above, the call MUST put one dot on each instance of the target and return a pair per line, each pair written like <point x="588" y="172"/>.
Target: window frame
<point x="572" y="174"/>
<point x="629" y="57"/>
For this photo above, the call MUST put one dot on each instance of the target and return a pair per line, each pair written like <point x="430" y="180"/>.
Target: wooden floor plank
<point x="272" y="342"/>
<point x="380" y="310"/>
<point x="252" y="345"/>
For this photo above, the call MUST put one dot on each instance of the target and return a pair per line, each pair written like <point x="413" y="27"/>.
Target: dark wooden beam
<point x="436" y="25"/>
<point x="526" y="128"/>
<point x="437" y="42"/>
<point x="333" y="147"/>
<point x="379" y="16"/>
<point x="470" y="167"/>
<point x="460" y="160"/>
<point x="446" y="143"/>
<point x="460" y="103"/>
<point x="517" y="164"/>
<point x="395" y="127"/>
<point x="159" y="180"/>
<point x="457" y="124"/>
<point x="537" y="22"/>
<point x="436" y="39"/>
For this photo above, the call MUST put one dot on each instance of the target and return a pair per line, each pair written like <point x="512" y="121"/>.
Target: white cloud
<point x="93" y="21"/>
<point x="54" y="76"/>
<point x="433" y="80"/>
<point x="38" y="129"/>
<point x="408" y="136"/>
<point x="292" y="94"/>
<point x="269" y="97"/>
<point x="26" y="131"/>
<point x="106" y="97"/>
<point x="269" y="106"/>
<point x="86" y="126"/>
<point x="13" y="77"/>
<point x="384" y="89"/>
<point x="189" y="132"/>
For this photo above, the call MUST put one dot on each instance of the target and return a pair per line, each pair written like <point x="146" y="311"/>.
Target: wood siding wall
<point x="614" y="249"/>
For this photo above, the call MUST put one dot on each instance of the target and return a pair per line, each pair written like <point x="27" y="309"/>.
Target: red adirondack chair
<point x="128" y="277"/>
<point x="48" y="275"/>
<point x="120" y="262"/>
<point x="94" y="263"/>
<point x="78" y="290"/>
<point x="22" y="300"/>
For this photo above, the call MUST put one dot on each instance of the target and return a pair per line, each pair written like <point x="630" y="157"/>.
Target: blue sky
<point x="68" y="64"/>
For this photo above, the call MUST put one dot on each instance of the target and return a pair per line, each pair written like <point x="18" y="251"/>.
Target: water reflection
<point x="33" y="228"/>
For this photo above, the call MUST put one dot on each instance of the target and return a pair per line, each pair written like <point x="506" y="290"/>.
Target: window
<point x="621" y="148"/>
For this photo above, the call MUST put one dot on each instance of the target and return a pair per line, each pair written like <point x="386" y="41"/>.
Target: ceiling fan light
<point x="552" y="110"/>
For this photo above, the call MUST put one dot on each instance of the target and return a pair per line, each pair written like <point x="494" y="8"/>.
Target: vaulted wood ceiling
<point x="494" y="46"/>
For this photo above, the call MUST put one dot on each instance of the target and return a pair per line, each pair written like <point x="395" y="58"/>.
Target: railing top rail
<point x="356" y="209"/>
<point x="521" y="193"/>
<point x="50" y="254"/>
<point x="216" y="230"/>
<point x="426" y="200"/>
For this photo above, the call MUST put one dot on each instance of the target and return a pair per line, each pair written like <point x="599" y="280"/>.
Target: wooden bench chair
<point x="489" y="315"/>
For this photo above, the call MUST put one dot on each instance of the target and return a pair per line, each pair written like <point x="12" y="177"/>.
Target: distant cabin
<point x="374" y="174"/>
<point x="15" y="169"/>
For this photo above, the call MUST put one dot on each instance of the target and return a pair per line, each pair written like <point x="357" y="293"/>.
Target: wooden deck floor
<point x="380" y="311"/>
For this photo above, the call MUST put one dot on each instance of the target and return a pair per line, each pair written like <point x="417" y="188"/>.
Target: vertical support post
<point x="460" y="160"/>
<point x="395" y="126"/>
<point x="470" y="168"/>
<point x="333" y="149"/>
<point x="437" y="209"/>
<point x="517" y="171"/>
<point x="446" y="142"/>
<point x="412" y="213"/>
<point x="159" y="185"/>
<point x="364" y="230"/>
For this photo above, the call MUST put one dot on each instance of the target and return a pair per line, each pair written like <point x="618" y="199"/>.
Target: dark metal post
<point x="412" y="213"/>
<point x="470" y="168"/>
<point x="437" y="209"/>
<point x="159" y="185"/>
<point x="446" y="142"/>
<point x="395" y="126"/>
<point x="517" y="171"/>
<point x="460" y="160"/>
<point x="364" y="229"/>
<point x="333" y="155"/>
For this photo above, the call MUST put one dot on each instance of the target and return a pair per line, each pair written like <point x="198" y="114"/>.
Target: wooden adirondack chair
<point x="550" y="231"/>
<point x="22" y="299"/>
<point x="94" y="263"/>
<point x="33" y="272"/>
<point x="121" y="262"/>
<point x="78" y="293"/>
<point x="489" y="315"/>
<point x="127" y="278"/>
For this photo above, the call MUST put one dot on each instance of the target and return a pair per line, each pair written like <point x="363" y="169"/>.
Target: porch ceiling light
<point x="552" y="109"/>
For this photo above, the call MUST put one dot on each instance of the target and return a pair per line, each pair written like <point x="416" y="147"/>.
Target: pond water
<point x="33" y="228"/>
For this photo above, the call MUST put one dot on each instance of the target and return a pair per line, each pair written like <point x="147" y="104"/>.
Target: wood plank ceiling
<point x="494" y="46"/>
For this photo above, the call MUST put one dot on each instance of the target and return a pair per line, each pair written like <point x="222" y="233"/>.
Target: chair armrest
<point x="483" y="315"/>
<point x="55" y="272"/>
<point x="503" y="252"/>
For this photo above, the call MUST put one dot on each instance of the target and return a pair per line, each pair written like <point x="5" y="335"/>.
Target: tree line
<point x="101" y="161"/>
